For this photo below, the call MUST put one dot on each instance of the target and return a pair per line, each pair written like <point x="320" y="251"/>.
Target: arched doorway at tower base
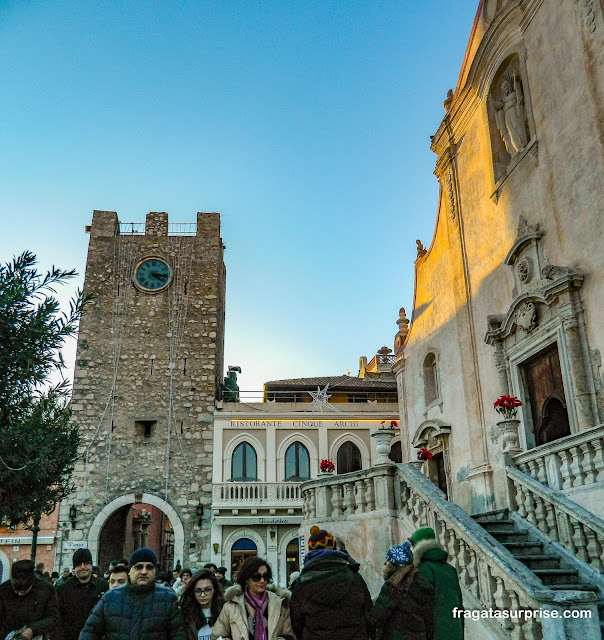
<point x="117" y="517"/>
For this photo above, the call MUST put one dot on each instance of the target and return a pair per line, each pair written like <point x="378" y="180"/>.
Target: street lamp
<point x="73" y="514"/>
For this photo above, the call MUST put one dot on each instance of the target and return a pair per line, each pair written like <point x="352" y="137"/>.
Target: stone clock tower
<point x="149" y="362"/>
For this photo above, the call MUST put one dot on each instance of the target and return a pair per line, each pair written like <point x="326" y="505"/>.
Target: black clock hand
<point x="159" y="276"/>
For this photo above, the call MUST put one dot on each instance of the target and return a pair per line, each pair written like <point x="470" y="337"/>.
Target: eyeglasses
<point x="204" y="592"/>
<point x="258" y="577"/>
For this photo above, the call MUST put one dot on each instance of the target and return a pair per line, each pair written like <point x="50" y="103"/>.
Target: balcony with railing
<point x="257" y="495"/>
<point x="174" y="228"/>
<point x="380" y="362"/>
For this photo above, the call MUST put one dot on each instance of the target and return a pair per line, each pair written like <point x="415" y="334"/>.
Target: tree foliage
<point x="45" y="443"/>
<point x="38" y="443"/>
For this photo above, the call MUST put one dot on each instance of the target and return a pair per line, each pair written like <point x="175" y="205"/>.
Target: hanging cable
<point x="122" y="267"/>
<point x="178" y="304"/>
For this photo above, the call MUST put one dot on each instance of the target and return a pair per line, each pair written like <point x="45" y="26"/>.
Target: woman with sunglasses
<point x="201" y="602"/>
<point x="254" y="609"/>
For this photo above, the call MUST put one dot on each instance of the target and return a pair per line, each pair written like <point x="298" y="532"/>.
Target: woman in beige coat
<point x="253" y="610"/>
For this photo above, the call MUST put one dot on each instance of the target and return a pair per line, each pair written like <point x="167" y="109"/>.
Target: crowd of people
<point x="327" y="600"/>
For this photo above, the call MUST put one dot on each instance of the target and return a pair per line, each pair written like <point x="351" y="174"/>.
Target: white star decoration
<point x="320" y="398"/>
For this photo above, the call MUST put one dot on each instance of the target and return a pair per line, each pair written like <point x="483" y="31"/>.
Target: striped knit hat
<point x="320" y="539"/>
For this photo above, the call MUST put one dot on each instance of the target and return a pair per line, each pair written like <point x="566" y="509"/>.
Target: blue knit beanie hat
<point x="401" y="554"/>
<point x="142" y="555"/>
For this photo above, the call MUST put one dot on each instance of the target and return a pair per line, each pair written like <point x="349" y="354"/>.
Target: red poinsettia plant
<point x="327" y="465"/>
<point x="424" y="454"/>
<point x="507" y="406"/>
<point x="393" y="424"/>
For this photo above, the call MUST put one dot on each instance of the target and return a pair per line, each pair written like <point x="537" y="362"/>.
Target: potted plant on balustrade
<point x="423" y="455"/>
<point x="507" y="406"/>
<point x="326" y="468"/>
<point x="383" y="439"/>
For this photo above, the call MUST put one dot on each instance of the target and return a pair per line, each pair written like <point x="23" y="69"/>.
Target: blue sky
<point x="306" y="124"/>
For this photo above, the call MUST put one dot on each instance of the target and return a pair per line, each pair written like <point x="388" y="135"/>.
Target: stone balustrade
<point x="348" y="494"/>
<point x="574" y="461"/>
<point x="490" y="577"/>
<point x="256" y="494"/>
<point x="576" y="529"/>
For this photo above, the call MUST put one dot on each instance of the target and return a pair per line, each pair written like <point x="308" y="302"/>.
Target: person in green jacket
<point x="431" y="561"/>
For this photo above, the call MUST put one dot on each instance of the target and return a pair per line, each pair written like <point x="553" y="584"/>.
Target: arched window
<point x="349" y="458"/>
<point x="297" y="463"/>
<point x="396" y="453"/>
<point x="244" y="466"/>
<point x="431" y="379"/>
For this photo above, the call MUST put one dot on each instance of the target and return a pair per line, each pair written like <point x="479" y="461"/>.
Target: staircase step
<point x="574" y="586"/>
<point x="491" y="516"/>
<point x="556" y="576"/>
<point x="523" y="547"/>
<point x="498" y="525"/>
<point x="539" y="560"/>
<point x="505" y="535"/>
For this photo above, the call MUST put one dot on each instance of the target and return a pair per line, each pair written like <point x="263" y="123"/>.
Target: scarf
<point x="256" y="604"/>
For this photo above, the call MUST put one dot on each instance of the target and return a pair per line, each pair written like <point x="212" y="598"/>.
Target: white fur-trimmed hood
<point x="421" y="548"/>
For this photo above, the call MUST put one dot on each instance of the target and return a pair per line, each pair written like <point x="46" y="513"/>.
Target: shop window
<point x="244" y="465"/>
<point x="349" y="458"/>
<point x="242" y="549"/>
<point x="297" y="463"/>
<point x="292" y="557"/>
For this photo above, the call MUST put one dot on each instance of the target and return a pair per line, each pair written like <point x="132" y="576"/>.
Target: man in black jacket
<point x="78" y="595"/>
<point x="27" y="603"/>
<point x="330" y="599"/>
<point x="140" y="609"/>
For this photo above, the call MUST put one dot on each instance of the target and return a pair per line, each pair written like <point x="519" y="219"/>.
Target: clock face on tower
<point x="152" y="275"/>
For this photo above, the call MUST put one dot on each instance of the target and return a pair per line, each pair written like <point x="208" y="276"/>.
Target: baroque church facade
<point x="508" y="294"/>
<point x="507" y="302"/>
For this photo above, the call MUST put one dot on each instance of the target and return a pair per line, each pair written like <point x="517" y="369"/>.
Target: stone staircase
<point x="546" y="557"/>
<point x="550" y="567"/>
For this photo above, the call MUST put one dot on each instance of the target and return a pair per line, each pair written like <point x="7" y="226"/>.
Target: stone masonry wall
<point x="143" y="333"/>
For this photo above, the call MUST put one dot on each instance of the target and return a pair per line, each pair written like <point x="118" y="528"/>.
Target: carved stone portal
<point x="546" y="313"/>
